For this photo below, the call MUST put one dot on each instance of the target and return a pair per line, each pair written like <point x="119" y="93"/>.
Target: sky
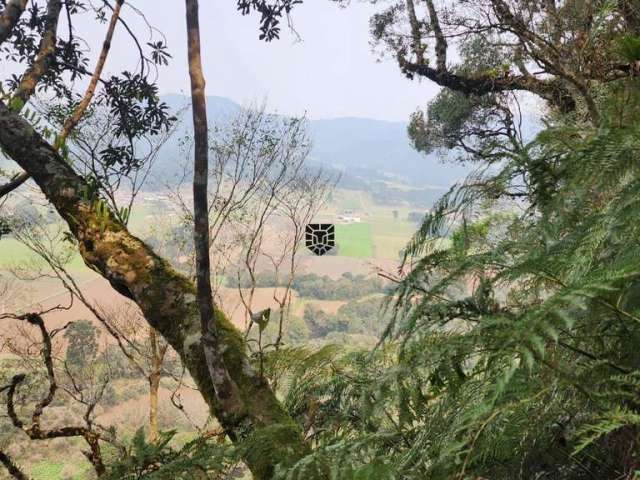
<point x="331" y="72"/>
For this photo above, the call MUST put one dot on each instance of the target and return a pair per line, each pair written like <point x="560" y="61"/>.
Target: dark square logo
<point x="320" y="237"/>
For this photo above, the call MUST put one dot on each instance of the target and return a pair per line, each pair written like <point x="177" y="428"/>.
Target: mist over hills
<point x="362" y="149"/>
<point x="370" y="154"/>
<point x="358" y="144"/>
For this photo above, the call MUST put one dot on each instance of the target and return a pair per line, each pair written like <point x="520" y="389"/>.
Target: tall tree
<point x="224" y="388"/>
<point x="166" y="298"/>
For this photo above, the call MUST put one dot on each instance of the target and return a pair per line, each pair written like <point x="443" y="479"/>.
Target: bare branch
<point x="35" y="431"/>
<point x="71" y="122"/>
<point x="14" y="183"/>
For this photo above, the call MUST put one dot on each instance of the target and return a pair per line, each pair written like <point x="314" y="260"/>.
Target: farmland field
<point x="47" y="470"/>
<point x="369" y="244"/>
<point x="391" y="234"/>
<point x="387" y="229"/>
<point x="375" y="242"/>
<point x="354" y="240"/>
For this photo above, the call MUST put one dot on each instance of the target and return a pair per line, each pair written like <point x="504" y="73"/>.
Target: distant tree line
<point x="348" y="286"/>
<point x="365" y="317"/>
<point x="358" y="322"/>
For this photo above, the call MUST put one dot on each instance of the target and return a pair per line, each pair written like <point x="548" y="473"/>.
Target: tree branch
<point x="10" y="16"/>
<point x="73" y="120"/>
<point x="34" y="431"/>
<point x="441" y="42"/>
<point x="46" y="52"/>
<point x="552" y="89"/>
<point x="166" y="298"/>
<point x="14" y="183"/>
<point x="224" y="388"/>
<point x="11" y="467"/>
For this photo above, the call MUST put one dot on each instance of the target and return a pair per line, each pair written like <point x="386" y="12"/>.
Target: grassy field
<point x="354" y="240"/>
<point x="141" y="218"/>
<point x="391" y="233"/>
<point x="48" y="470"/>
<point x="383" y="233"/>
<point x="13" y="253"/>
<point x="387" y="229"/>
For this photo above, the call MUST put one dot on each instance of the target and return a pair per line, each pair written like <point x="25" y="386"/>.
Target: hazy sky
<point x="331" y="72"/>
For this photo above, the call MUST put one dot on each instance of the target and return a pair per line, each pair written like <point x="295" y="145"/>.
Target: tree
<point x="85" y="393"/>
<point x="548" y="333"/>
<point x="506" y="50"/>
<point x="548" y="327"/>
<point x="145" y="351"/>
<point x="301" y="203"/>
<point x="166" y="298"/>
<point x="142" y="348"/>
<point x="263" y="193"/>
<point x="551" y="36"/>
<point x="224" y="388"/>
<point x="83" y="344"/>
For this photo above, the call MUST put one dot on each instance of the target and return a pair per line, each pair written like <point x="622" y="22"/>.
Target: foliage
<point x="131" y="97"/>
<point x="361" y="316"/>
<point x="270" y="14"/>
<point x="532" y="371"/>
<point x="511" y="350"/>
<point x="347" y="286"/>
<point x="629" y="48"/>
<point x="82" y="348"/>
<point x="161" y="461"/>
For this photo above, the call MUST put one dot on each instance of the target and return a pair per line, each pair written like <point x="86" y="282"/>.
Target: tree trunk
<point x="166" y="298"/>
<point x="154" y="384"/>
<point x="224" y="388"/>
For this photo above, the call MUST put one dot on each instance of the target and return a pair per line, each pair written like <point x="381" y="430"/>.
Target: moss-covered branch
<point x="166" y="298"/>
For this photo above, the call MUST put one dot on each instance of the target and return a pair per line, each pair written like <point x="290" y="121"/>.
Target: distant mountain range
<point x="361" y="148"/>
<point x="369" y="153"/>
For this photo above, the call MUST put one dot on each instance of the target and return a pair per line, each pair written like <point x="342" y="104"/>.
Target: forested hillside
<point x="503" y="344"/>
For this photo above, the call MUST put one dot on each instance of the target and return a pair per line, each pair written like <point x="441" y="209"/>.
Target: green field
<point x="383" y="233"/>
<point x="390" y="234"/>
<point x="141" y="218"/>
<point x="387" y="229"/>
<point x="354" y="240"/>
<point x="13" y="253"/>
<point x="47" y="470"/>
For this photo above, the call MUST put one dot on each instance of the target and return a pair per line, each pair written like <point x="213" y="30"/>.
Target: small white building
<point x="348" y="219"/>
